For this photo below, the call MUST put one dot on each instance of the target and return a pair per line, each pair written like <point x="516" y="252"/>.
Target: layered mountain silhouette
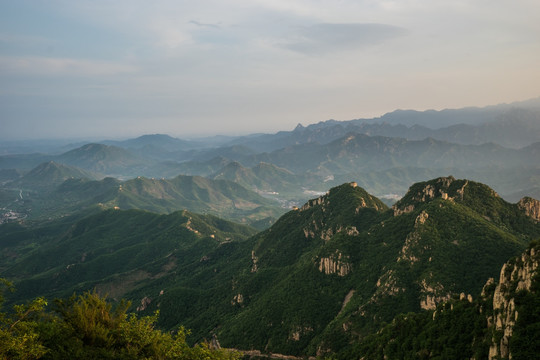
<point x="219" y="197"/>
<point x="514" y="126"/>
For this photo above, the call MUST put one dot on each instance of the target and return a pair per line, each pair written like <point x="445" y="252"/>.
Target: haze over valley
<point x="258" y="177"/>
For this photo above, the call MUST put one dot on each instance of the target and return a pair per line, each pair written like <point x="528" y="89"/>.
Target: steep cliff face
<point x="335" y="264"/>
<point x="531" y="207"/>
<point x="516" y="275"/>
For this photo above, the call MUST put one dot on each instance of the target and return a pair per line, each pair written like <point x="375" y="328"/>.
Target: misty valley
<point x="414" y="235"/>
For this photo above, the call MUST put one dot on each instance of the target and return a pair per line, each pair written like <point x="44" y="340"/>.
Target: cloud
<point x="36" y="65"/>
<point x="323" y="38"/>
<point x="218" y="63"/>
<point x="203" y="25"/>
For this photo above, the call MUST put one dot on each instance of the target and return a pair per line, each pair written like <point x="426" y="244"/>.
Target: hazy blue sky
<point x="124" y="68"/>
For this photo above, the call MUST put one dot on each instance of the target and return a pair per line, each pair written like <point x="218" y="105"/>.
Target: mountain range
<point x="55" y="190"/>
<point x="515" y="126"/>
<point x="313" y="166"/>
<point x="324" y="241"/>
<point x="475" y="143"/>
<point x="323" y="277"/>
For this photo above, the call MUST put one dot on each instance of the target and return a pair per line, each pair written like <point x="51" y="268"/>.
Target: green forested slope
<point x="322" y="278"/>
<point x="467" y="328"/>
<point x="218" y="197"/>
<point x="113" y="251"/>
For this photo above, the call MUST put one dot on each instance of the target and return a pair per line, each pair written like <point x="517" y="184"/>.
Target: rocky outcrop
<point x="432" y="294"/>
<point x="326" y="233"/>
<point x="387" y="285"/>
<point x="254" y="260"/>
<point x="446" y="188"/>
<point x="318" y="201"/>
<point x="439" y="188"/>
<point x="144" y="303"/>
<point x="348" y="298"/>
<point x="531" y="207"/>
<point x="299" y="331"/>
<point x="411" y="241"/>
<point x="420" y="219"/>
<point x="405" y="210"/>
<point x="188" y="226"/>
<point x="335" y="264"/>
<point x="515" y="276"/>
<point x="237" y="299"/>
<point x="407" y="253"/>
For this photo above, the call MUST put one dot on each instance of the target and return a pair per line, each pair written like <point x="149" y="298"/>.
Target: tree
<point x="89" y="327"/>
<point x="19" y="338"/>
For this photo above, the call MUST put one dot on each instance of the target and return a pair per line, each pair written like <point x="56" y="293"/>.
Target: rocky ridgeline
<point x="447" y="188"/>
<point x="515" y="276"/>
<point x="322" y="200"/>
<point x="412" y="240"/>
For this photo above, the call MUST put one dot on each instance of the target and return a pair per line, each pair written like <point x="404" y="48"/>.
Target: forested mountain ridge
<point x="50" y="174"/>
<point x="113" y="251"/>
<point x="322" y="278"/>
<point x="64" y="190"/>
<point x="344" y="264"/>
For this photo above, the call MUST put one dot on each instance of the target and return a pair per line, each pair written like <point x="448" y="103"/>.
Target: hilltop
<point x="50" y="174"/>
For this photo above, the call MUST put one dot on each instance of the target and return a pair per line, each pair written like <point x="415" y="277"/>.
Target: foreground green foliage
<point x="19" y="337"/>
<point x="89" y="327"/>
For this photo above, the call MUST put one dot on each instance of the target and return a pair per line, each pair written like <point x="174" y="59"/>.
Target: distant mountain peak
<point x="234" y="165"/>
<point x="46" y="167"/>
<point x="94" y="149"/>
<point x="51" y="173"/>
<point x="94" y="146"/>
